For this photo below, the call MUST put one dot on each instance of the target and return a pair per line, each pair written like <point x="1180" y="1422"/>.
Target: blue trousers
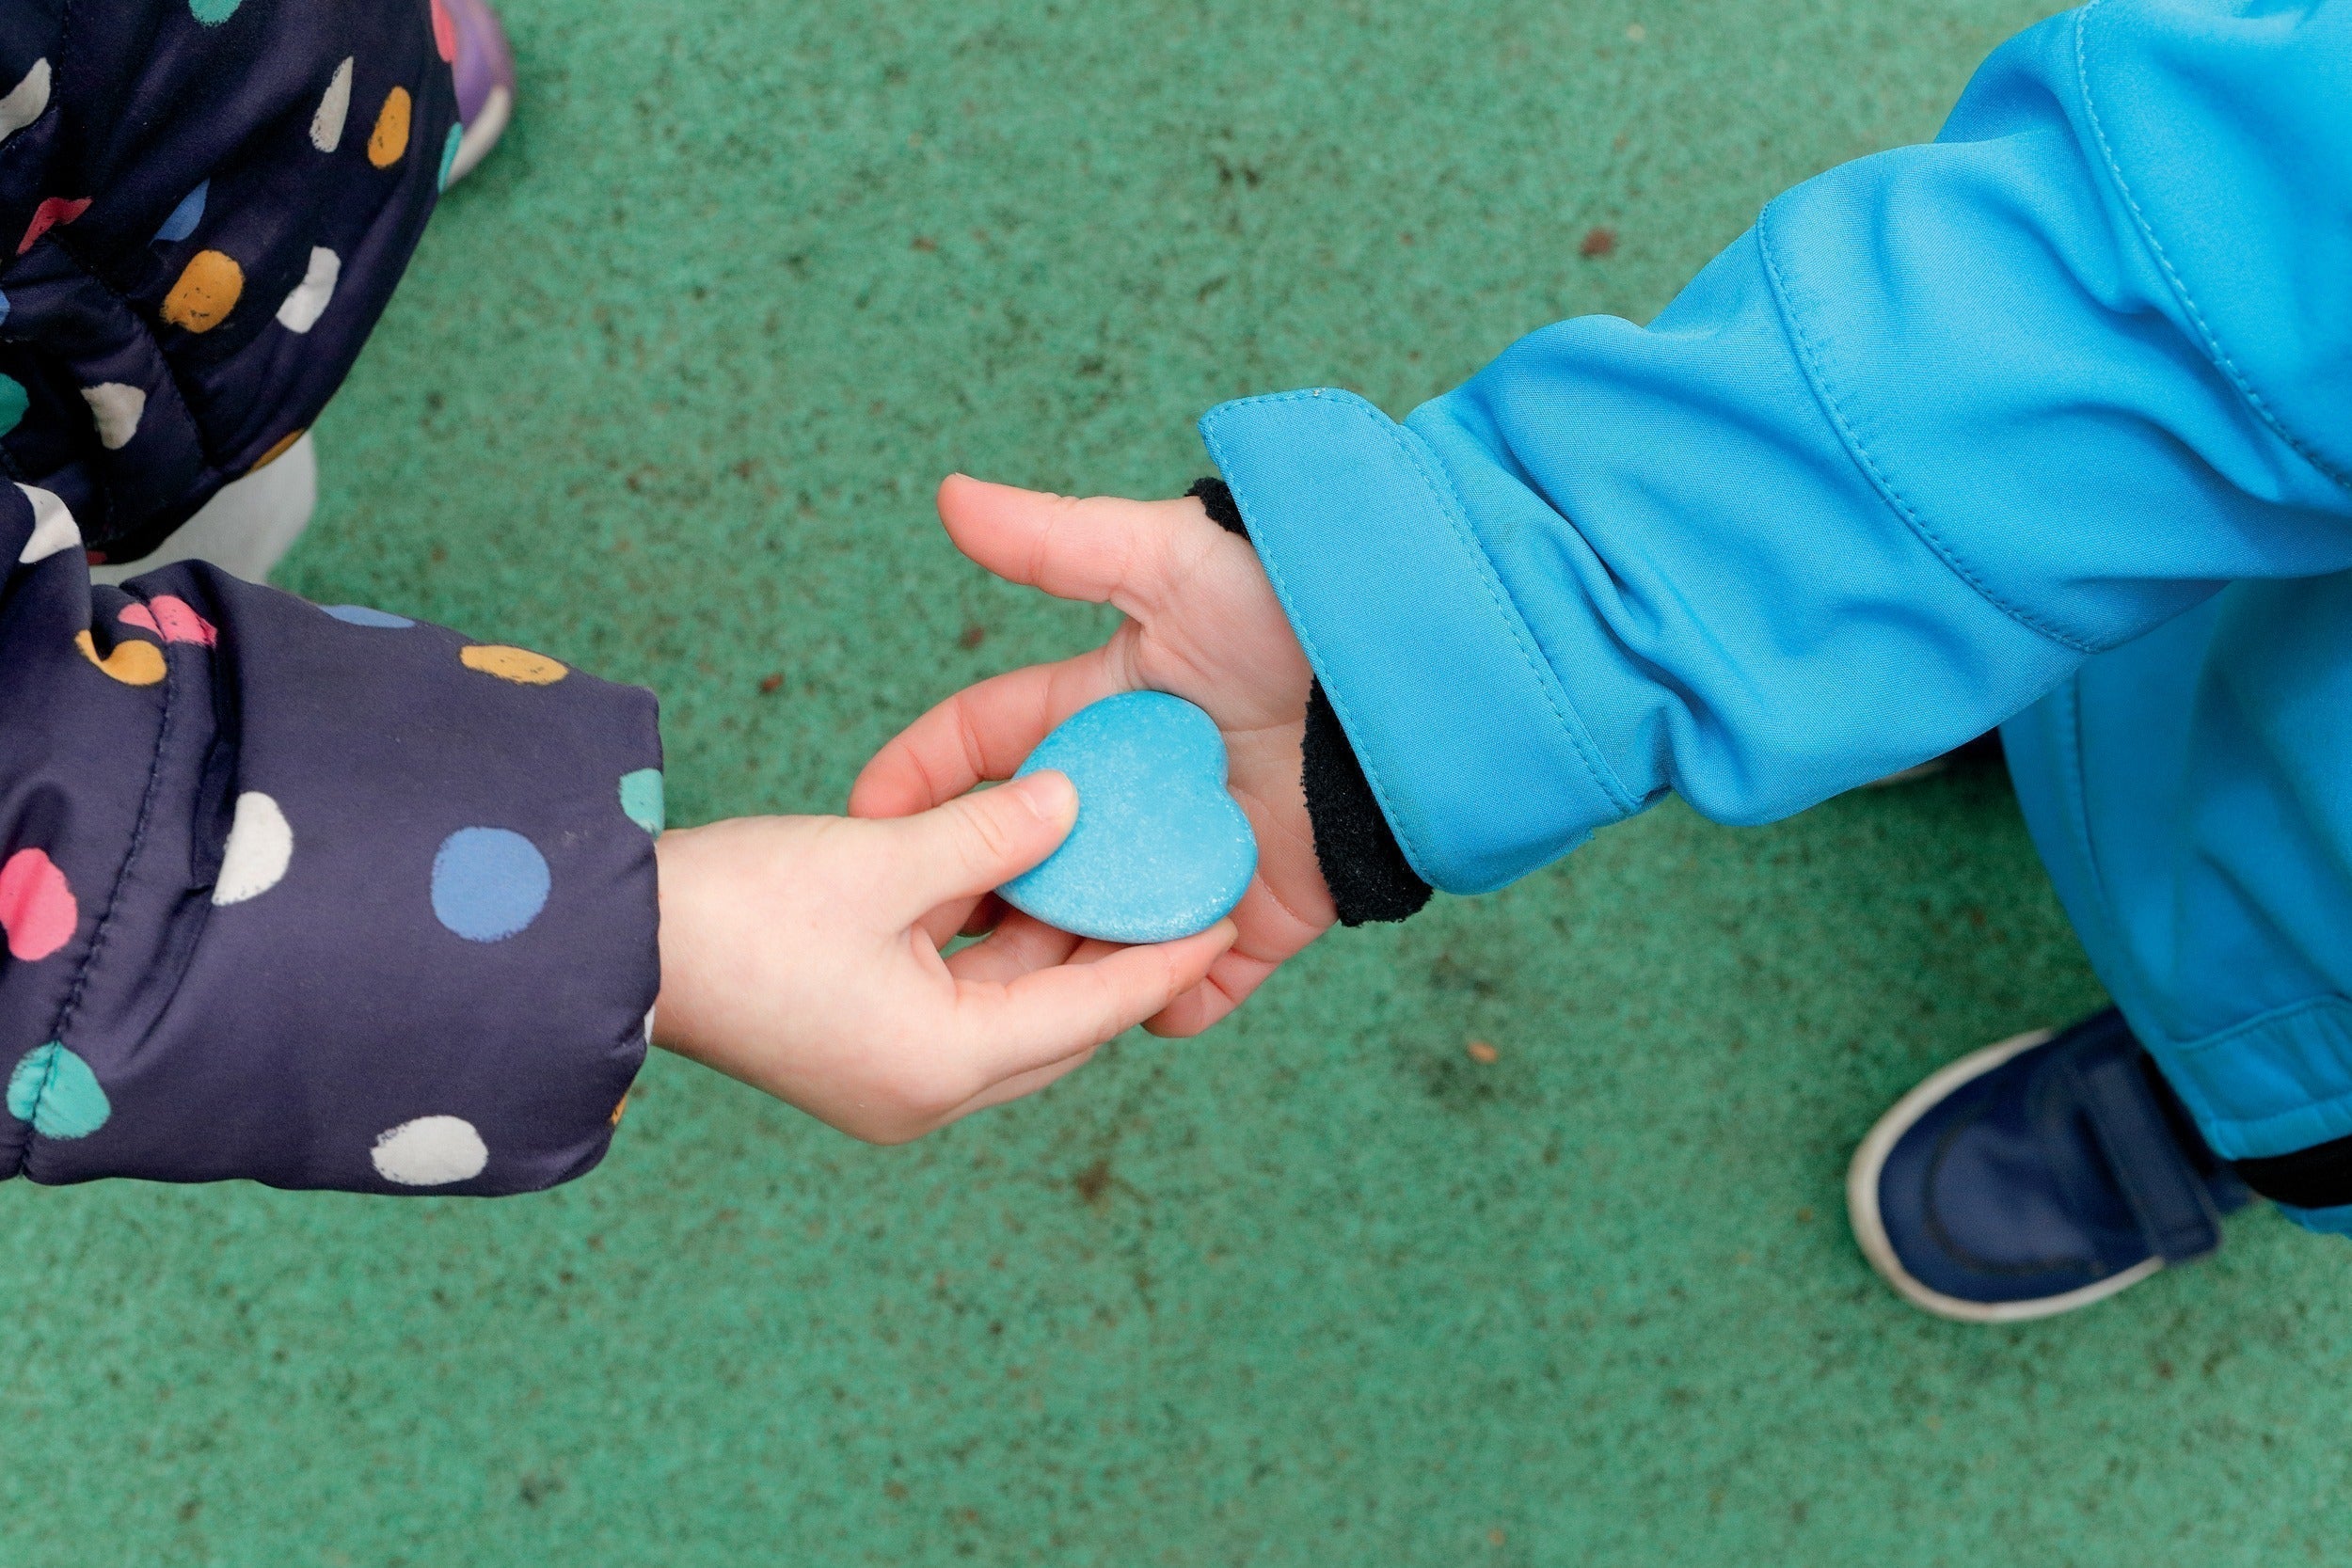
<point x="2189" y="792"/>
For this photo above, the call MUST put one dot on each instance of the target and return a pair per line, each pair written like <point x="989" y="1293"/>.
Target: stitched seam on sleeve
<point x="1440" y="491"/>
<point x="113" y="897"/>
<point x="1413" y="851"/>
<point x="1441" y="488"/>
<point x="89" y="269"/>
<point x="1816" y="376"/>
<point x="2205" y="334"/>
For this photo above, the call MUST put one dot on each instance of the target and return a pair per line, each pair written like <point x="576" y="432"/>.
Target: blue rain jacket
<point x="2048" y="420"/>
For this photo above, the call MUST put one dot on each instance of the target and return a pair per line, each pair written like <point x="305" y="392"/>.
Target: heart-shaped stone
<point x="1160" y="851"/>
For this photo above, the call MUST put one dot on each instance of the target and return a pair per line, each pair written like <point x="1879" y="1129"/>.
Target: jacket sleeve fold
<point x="1947" y="421"/>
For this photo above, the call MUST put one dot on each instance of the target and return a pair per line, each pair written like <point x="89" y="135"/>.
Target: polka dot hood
<point x="205" y="206"/>
<point x="317" y="896"/>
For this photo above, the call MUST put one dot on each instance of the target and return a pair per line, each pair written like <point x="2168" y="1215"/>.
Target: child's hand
<point x="801" y="954"/>
<point x="1202" y="623"/>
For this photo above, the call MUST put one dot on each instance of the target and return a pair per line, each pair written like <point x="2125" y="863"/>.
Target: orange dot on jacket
<point x="277" y="449"/>
<point x="389" y="138"/>
<point x="520" y="665"/>
<point x="207" y="291"/>
<point x="132" y="663"/>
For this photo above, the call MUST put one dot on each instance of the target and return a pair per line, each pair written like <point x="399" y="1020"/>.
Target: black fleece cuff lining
<point x="1217" y="499"/>
<point x="2319" y="1176"/>
<point x="1363" y="863"/>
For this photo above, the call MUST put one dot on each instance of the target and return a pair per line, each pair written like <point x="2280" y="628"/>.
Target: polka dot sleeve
<point x="319" y="898"/>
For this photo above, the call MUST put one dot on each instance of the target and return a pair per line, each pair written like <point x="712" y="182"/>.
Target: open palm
<point x="1203" y="624"/>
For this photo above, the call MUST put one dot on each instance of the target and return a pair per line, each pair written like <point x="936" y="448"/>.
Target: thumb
<point x="971" y="844"/>
<point x="1099" y="548"/>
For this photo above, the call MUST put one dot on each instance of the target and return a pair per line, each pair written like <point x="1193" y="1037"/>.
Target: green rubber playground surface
<point x="665" y="395"/>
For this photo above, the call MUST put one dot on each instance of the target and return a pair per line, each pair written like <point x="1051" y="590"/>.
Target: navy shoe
<point x="2035" y="1177"/>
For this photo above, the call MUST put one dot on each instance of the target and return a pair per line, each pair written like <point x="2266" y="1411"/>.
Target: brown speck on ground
<point x="972" y="636"/>
<point x="1482" y="1054"/>
<point x="1496" y="1538"/>
<point x="925" y="242"/>
<point x="771" y="685"/>
<point x="1094" y="1182"/>
<point x="1804" y="1215"/>
<point x="1599" y="242"/>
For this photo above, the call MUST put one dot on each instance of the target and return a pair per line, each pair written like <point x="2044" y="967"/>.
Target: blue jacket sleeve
<point x="321" y="898"/>
<point x="1945" y="423"/>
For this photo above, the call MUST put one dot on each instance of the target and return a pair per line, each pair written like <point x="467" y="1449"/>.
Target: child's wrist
<point x="678" y="872"/>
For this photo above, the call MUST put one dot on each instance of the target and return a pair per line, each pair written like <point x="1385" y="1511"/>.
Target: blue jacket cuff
<point x="1435" y="677"/>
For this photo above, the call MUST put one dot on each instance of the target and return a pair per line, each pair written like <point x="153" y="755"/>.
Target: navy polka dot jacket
<point x="322" y="897"/>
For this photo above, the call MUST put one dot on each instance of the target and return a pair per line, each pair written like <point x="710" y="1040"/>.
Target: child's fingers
<point x="1050" y="1014"/>
<point x="986" y="914"/>
<point x="969" y="845"/>
<point x="985" y="731"/>
<point x="957" y="917"/>
<point x="1099" y="548"/>
<point x="1021" y="1084"/>
<point x="1021" y="943"/>
<point x="972" y="915"/>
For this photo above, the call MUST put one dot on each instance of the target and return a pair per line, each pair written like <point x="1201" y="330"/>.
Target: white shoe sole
<point x="1870" y="1229"/>
<point x="475" y="141"/>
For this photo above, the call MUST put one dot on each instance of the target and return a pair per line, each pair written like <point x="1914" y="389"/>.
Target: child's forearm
<point x="1946" y="420"/>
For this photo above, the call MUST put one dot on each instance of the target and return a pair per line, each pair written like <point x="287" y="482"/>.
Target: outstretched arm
<point x="1945" y="422"/>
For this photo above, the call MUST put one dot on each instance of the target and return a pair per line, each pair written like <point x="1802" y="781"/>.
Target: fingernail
<point x="1048" y="793"/>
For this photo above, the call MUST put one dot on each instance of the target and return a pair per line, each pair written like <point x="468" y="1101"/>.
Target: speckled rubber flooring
<point x="665" y="395"/>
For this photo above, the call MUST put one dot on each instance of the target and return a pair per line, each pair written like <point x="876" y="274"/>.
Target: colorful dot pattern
<point x="304" y="306"/>
<point x="26" y="101"/>
<point x="116" y="409"/>
<point x="208" y="289"/>
<point x="360" y="615"/>
<point x="349" y="177"/>
<point x="132" y="663"/>
<point x="184" y="217"/>
<point x="260" y="848"/>
<point x="334" y="110"/>
<point x="55" y="1090"/>
<point x="520" y="665"/>
<point x="171" y="618"/>
<point x="277" y="450"/>
<point x="487" y="882"/>
<point x="37" y="910"/>
<point x="52" y="211"/>
<point x="389" y="138"/>
<point x="642" y="800"/>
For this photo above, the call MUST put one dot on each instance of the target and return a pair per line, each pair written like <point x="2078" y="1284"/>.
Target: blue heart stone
<point x="1160" y="851"/>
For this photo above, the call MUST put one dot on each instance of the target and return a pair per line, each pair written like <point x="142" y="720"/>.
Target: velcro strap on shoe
<point x="2168" y="1198"/>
